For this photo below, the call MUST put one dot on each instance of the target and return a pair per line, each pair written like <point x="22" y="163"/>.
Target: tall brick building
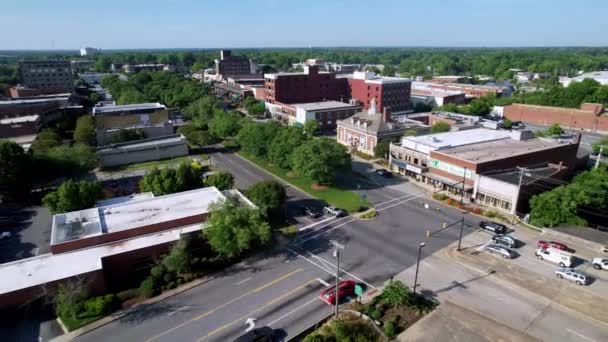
<point x="229" y="65"/>
<point x="311" y="85"/>
<point x="388" y="92"/>
<point x="47" y="76"/>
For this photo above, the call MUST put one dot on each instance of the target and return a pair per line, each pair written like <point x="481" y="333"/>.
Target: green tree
<point x="69" y="299"/>
<point x="440" y="127"/>
<point x="267" y="195"/>
<point x="255" y="138"/>
<point x="45" y="141"/>
<point x="72" y="196"/>
<point x="220" y="180"/>
<point x="555" y="207"/>
<point x="201" y="111"/>
<point x="479" y="107"/>
<point x="169" y="181"/>
<point x="396" y="293"/>
<point x="84" y="132"/>
<point x="195" y="137"/>
<point x="257" y="109"/>
<point x="382" y="149"/>
<point x="320" y="159"/>
<point x="555" y="129"/>
<point x="507" y="124"/>
<point x="224" y="124"/>
<point x="15" y="171"/>
<point x="287" y="140"/>
<point x="179" y="259"/>
<point x="311" y="127"/>
<point x="233" y="228"/>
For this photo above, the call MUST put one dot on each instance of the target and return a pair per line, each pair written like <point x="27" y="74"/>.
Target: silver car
<point x="505" y="240"/>
<point x="500" y="250"/>
<point x="572" y="275"/>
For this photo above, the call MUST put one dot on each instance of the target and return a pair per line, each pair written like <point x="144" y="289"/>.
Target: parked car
<point x="505" y="240"/>
<point x="345" y="288"/>
<point x="500" y="250"/>
<point x="563" y="259"/>
<point x="572" y="275"/>
<point x="311" y="212"/>
<point x="331" y="210"/>
<point x="493" y="227"/>
<point x="5" y="235"/>
<point x="384" y="173"/>
<point x="554" y="244"/>
<point x="263" y="334"/>
<point x="600" y="263"/>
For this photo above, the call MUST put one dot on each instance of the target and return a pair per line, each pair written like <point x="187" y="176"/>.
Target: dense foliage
<point x="168" y="181"/>
<point x="586" y="197"/>
<point x="171" y="89"/>
<point x="71" y="196"/>
<point x="85" y="130"/>
<point x="440" y="127"/>
<point x="320" y="159"/>
<point x="283" y="144"/>
<point x="220" y="180"/>
<point x="233" y="228"/>
<point x="267" y="195"/>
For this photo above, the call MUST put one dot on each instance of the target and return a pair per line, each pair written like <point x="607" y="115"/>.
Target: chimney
<point x="225" y="54"/>
<point x="386" y="114"/>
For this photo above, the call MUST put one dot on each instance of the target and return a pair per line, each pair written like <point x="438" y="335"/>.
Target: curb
<point x="358" y="216"/>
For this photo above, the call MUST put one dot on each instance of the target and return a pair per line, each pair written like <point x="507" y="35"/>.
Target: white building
<point x="600" y="76"/>
<point x="89" y="51"/>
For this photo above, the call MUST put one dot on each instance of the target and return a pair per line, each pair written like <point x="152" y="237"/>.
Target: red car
<point x="346" y="288"/>
<point x="554" y="244"/>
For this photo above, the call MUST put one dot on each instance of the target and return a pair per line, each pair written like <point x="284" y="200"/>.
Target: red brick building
<point x="311" y="85"/>
<point x="589" y="117"/>
<point x="388" y="92"/>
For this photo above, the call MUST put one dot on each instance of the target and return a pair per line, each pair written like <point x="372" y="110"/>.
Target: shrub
<point x="370" y="214"/>
<point x="314" y="337"/>
<point x="477" y="211"/>
<point x="168" y="277"/>
<point x="149" y="287"/>
<point x="98" y="306"/>
<point x="126" y="295"/>
<point x="390" y="329"/>
<point x="490" y="214"/>
<point x="376" y="314"/>
<point x="440" y="197"/>
<point x="158" y="272"/>
<point x="450" y="201"/>
<point x="289" y="232"/>
<point x="179" y="281"/>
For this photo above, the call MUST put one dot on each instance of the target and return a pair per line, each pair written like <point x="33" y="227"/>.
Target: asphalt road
<point x="280" y="288"/>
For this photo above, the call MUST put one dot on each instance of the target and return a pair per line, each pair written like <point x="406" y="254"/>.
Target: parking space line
<point x="579" y="335"/>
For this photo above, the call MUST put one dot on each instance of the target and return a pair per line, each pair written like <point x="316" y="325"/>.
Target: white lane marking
<point x="324" y="226"/>
<point x="580" y="335"/>
<point x="242" y="281"/>
<point x="341" y="269"/>
<point x="399" y="203"/>
<point x="323" y="282"/>
<point x="324" y="268"/>
<point x="315" y="223"/>
<point x="294" y="310"/>
<point x="178" y="310"/>
<point x="327" y="231"/>
<point x="397" y="198"/>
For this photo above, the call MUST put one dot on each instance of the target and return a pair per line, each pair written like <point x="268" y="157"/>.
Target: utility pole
<point x="521" y="177"/>
<point x="599" y="156"/>
<point x="338" y="246"/>
<point x="464" y="179"/>
<point x="422" y="244"/>
<point x="461" y="229"/>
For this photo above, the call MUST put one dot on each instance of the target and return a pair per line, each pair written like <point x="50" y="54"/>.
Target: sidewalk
<point x="451" y="322"/>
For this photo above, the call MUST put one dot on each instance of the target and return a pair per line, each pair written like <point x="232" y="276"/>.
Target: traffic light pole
<point x="461" y="230"/>
<point x="338" y="246"/>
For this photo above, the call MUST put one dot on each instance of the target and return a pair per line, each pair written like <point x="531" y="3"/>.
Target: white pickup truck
<point x="600" y="263"/>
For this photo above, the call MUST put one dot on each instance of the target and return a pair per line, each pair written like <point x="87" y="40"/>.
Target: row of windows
<point x="493" y="201"/>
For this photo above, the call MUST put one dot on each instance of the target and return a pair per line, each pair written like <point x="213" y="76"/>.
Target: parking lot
<point x="30" y="232"/>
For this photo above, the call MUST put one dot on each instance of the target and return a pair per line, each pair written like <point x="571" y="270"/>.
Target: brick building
<point x="109" y="242"/>
<point x="20" y="126"/>
<point x="229" y="65"/>
<point x="445" y="160"/>
<point x="362" y="131"/>
<point x="49" y="108"/>
<point x="389" y="92"/>
<point x="311" y="85"/>
<point x="48" y="76"/>
<point x="590" y="116"/>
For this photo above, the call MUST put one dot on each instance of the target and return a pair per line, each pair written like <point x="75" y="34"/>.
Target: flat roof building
<point x="151" y="118"/>
<point x="48" y="76"/>
<point x="326" y="113"/>
<point x="229" y="65"/>
<point x="387" y="92"/>
<point x="470" y="90"/>
<point x="163" y="147"/>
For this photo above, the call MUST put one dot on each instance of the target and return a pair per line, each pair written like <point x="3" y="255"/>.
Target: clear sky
<point x="113" y="24"/>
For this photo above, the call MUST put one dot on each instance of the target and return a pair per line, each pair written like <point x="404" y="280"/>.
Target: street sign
<point x="358" y="290"/>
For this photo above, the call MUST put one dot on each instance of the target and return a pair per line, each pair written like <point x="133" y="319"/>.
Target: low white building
<point x="600" y="76"/>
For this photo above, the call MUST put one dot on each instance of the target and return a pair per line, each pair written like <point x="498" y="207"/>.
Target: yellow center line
<point x="242" y="318"/>
<point x="281" y="278"/>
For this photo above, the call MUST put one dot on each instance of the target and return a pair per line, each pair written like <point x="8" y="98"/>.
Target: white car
<point x="331" y="210"/>
<point x="5" y="235"/>
<point x="572" y="275"/>
<point x="600" y="263"/>
<point x="563" y="259"/>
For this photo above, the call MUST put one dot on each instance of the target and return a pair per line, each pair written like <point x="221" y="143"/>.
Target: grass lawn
<point x="73" y="324"/>
<point x="156" y="163"/>
<point x="341" y="198"/>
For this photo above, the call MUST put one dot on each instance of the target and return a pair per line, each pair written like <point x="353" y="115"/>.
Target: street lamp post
<point x="338" y="246"/>
<point x="422" y="244"/>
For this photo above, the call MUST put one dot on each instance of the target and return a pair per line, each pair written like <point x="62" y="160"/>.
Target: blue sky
<point x="70" y="24"/>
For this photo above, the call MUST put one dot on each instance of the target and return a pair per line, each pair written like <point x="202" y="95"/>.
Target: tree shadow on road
<point x="455" y="284"/>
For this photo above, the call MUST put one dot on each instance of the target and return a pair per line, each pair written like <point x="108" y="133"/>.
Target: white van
<point x="563" y="259"/>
